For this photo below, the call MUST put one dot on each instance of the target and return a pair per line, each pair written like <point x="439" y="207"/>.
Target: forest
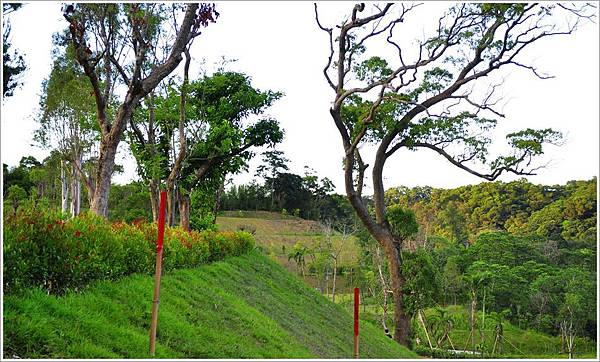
<point x="490" y="269"/>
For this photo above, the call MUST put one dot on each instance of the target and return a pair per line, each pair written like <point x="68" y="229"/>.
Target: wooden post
<point x="159" y="253"/>
<point x="356" y="309"/>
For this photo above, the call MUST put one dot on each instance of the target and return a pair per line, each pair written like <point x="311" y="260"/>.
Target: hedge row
<point x="45" y="249"/>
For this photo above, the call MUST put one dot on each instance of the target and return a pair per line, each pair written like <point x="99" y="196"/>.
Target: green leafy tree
<point x="102" y="35"/>
<point x="13" y="63"/>
<point x="299" y="253"/>
<point x="217" y="135"/>
<point x="385" y="103"/>
<point x="67" y="123"/>
<point x="15" y="195"/>
<point x="129" y="203"/>
<point x="273" y="163"/>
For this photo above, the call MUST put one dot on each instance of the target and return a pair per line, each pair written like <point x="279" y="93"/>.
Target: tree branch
<point x="489" y="176"/>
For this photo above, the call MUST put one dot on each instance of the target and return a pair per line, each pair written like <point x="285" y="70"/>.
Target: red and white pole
<point x="356" y="309"/>
<point x="159" y="254"/>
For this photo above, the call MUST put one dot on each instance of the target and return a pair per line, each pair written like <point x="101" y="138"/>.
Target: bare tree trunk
<point x="334" y="279"/>
<point x="64" y="194"/>
<point x="154" y="198"/>
<point x="570" y="339"/>
<point x="154" y="179"/>
<point x="562" y="337"/>
<point x="182" y="141"/>
<point x="217" y="204"/>
<point x="170" y="212"/>
<point x="482" y="328"/>
<point x="184" y="211"/>
<point x="401" y="319"/>
<point x="326" y="281"/>
<point x="384" y="289"/>
<point x="473" y="316"/>
<point x="106" y="165"/>
<point x="76" y="188"/>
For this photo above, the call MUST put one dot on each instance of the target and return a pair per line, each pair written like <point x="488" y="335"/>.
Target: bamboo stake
<point x="159" y="254"/>
<point x="356" y="310"/>
<point x="420" y="314"/>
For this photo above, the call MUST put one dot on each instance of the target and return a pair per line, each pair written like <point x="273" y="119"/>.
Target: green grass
<point x="277" y="234"/>
<point x="519" y="343"/>
<point x="242" y="307"/>
<point x="258" y="215"/>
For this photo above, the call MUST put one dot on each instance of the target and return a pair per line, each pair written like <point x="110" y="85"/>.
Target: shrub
<point x="45" y="249"/>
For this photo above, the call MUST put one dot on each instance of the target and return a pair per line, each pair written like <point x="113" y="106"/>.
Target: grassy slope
<point x="243" y="307"/>
<point x="274" y="230"/>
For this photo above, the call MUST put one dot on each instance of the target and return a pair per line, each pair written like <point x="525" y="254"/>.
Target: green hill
<point x="277" y="234"/>
<point x="242" y="307"/>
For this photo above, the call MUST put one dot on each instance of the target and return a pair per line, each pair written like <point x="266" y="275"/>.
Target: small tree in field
<point x="433" y="101"/>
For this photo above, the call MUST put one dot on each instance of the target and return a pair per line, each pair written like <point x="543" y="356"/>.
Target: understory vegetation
<point x="48" y="250"/>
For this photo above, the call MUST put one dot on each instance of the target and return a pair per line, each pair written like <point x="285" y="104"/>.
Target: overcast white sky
<point x="279" y="45"/>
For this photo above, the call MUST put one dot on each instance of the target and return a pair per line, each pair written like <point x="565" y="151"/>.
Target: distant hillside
<point x="243" y="307"/>
<point x="278" y="233"/>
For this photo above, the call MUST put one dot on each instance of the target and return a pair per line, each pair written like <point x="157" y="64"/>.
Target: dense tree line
<point x="518" y="251"/>
<point x="559" y="212"/>
<point x="307" y="196"/>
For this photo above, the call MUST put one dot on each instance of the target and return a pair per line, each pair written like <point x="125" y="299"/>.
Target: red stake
<point x="159" y="253"/>
<point x="161" y="221"/>
<point x="356" y="309"/>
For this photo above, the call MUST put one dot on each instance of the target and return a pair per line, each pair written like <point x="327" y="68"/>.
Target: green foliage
<point x="13" y="63"/>
<point x="222" y="102"/>
<point x="67" y="107"/>
<point x="572" y="217"/>
<point x="309" y="197"/>
<point x="403" y="223"/>
<point x="558" y="212"/>
<point x="518" y="342"/>
<point x="15" y="195"/>
<point x="42" y="249"/>
<point x="455" y="130"/>
<point x="504" y="249"/>
<point x="372" y="69"/>
<point x="516" y="247"/>
<point x="423" y="281"/>
<point x="526" y="144"/>
<point x="129" y="202"/>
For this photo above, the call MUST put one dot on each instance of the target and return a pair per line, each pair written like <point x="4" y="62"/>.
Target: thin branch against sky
<point x="281" y="47"/>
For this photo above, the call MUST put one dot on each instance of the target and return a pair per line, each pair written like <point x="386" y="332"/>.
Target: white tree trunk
<point x="76" y="190"/>
<point x="334" y="279"/>
<point x="64" y="188"/>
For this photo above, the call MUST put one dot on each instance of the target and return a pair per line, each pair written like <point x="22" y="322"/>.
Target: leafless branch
<point x="329" y="31"/>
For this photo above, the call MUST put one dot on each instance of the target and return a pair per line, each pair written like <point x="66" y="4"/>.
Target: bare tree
<point x="431" y="101"/>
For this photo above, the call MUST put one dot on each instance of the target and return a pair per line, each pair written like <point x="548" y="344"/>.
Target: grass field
<point x="242" y="307"/>
<point x="277" y="234"/>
